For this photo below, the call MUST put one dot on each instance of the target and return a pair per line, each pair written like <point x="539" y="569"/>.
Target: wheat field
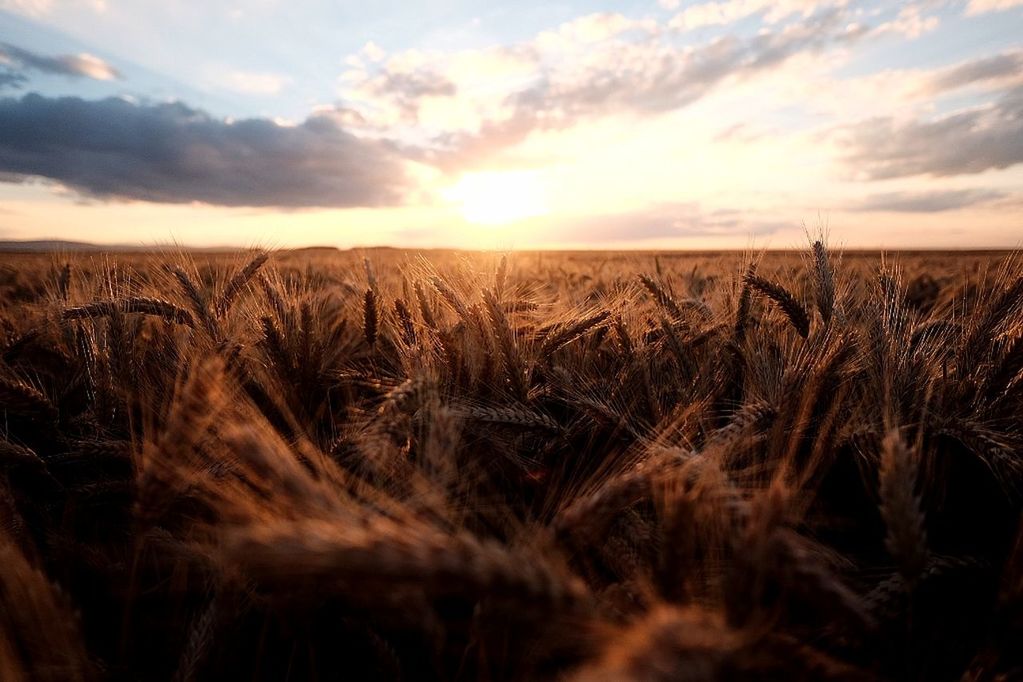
<point x="531" y="466"/>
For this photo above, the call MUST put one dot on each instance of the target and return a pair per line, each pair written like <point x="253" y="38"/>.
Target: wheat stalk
<point x="198" y="301"/>
<point x="506" y="342"/>
<point x="793" y="309"/>
<point x="385" y="553"/>
<point x="18" y="397"/>
<point x="900" y="508"/>
<point x="571" y="332"/>
<point x="513" y="415"/>
<point x="239" y="282"/>
<point x="452" y="298"/>
<point x="501" y="277"/>
<point x="408" y="328"/>
<point x="369" y="317"/>
<point x="824" y="280"/>
<point x="138" y="304"/>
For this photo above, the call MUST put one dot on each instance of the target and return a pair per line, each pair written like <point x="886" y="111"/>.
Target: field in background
<point x="452" y="466"/>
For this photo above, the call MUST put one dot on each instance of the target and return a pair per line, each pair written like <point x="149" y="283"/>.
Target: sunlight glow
<point x="498" y="197"/>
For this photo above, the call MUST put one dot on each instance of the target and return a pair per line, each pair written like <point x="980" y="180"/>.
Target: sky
<point x="513" y="125"/>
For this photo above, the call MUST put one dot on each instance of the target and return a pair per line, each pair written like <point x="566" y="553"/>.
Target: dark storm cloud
<point x="171" y="153"/>
<point x="73" y="66"/>
<point x="966" y="142"/>
<point x="928" y="202"/>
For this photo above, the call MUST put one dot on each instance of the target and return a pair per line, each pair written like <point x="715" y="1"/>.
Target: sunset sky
<point x="641" y="124"/>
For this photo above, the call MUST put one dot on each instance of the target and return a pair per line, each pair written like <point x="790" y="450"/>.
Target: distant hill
<point x="47" y="245"/>
<point x="63" y="245"/>
<point x="51" y="245"/>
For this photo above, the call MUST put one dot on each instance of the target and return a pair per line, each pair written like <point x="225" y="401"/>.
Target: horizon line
<point x="75" y="246"/>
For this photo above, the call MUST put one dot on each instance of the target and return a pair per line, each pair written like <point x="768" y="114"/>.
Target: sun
<point x="498" y="197"/>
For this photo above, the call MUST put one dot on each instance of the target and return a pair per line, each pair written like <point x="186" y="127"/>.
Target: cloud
<point x="1007" y="65"/>
<point x="246" y="82"/>
<point x="594" y="28"/>
<point x="723" y="13"/>
<point x="970" y="141"/>
<point x="742" y="133"/>
<point x="12" y="80"/>
<point x="934" y="201"/>
<point x="243" y="82"/>
<point x="910" y="23"/>
<point x="171" y="153"/>
<point x="405" y="90"/>
<point x="38" y="8"/>
<point x="984" y="6"/>
<point x="472" y="108"/>
<point x="73" y="66"/>
<point x="651" y="78"/>
<point x="431" y="92"/>
<point x="644" y="78"/>
<point x="29" y="7"/>
<point x="671" y="220"/>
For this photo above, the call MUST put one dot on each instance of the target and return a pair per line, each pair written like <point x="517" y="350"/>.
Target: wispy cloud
<point x="17" y="59"/>
<point x="964" y="142"/>
<point x="999" y="67"/>
<point x="29" y="7"/>
<point x="910" y="22"/>
<point x="564" y="78"/>
<point x="670" y="220"/>
<point x="406" y="89"/>
<point x="12" y="80"/>
<point x="652" y="77"/>
<point x="171" y="153"/>
<point x="934" y="201"/>
<point x="722" y="13"/>
<point x="244" y="82"/>
<point x="39" y="8"/>
<point x="976" y="7"/>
